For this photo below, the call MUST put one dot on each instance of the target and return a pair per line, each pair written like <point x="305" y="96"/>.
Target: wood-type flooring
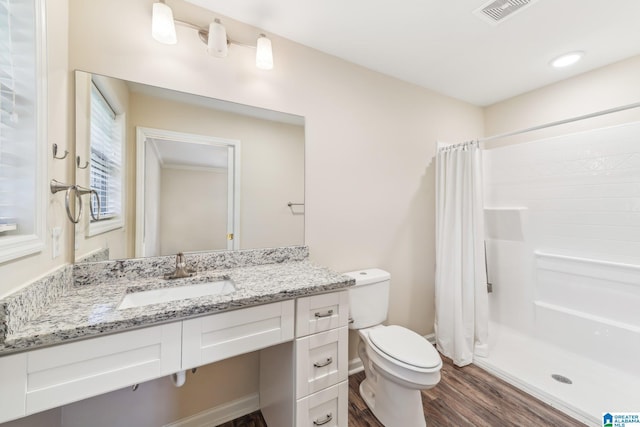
<point x="464" y="397"/>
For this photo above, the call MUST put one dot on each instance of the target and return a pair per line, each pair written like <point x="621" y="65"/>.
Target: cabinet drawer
<point x="13" y="386"/>
<point x="328" y="408"/>
<point x="212" y="338"/>
<point x="321" y="361"/>
<point x="322" y="312"/>
<point x="75" y="371"/>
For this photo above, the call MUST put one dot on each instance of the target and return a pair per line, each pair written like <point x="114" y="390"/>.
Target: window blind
<point x="106" y="155"/>
<point x="17" y="117"/>
<point x="7" y="118"/>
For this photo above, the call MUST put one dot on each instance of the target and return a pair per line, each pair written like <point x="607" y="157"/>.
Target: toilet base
<point x="393" y="405"/>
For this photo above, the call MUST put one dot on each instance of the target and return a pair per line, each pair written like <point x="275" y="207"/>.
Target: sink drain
<point x="561" y="379"/>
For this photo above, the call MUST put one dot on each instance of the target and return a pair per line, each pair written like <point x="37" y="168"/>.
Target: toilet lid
<point x="406" y="346"/>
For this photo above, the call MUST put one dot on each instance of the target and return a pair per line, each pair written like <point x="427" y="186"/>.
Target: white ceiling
<point x="181" y="154"/>
<point x="443" y="46"/>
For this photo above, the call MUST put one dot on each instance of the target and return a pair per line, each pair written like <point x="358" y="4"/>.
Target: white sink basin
<point x="157" y="296"/>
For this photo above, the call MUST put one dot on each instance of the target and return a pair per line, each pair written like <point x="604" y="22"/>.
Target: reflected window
<point x="107" y="137"/>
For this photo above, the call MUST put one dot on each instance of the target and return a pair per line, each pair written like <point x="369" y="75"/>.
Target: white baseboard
<point x="220" y="414"/>
<point x="355" y="365"/>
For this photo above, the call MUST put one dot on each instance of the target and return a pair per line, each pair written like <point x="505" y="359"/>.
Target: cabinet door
<point x="216" y="337"/>
<point x="321" y="361"/>
<point x="13" y="386"/>
<point x="320" y="313"/>
<point x="71" y="372"/>
<point x="328" y="408"/>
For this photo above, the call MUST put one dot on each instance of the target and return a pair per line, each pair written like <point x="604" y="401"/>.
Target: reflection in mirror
<point x="193" y="173"/>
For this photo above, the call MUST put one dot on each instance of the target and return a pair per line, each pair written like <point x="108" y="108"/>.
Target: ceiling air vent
<point x="497" y="11"/>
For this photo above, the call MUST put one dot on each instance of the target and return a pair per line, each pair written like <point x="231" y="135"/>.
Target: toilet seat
<point x="404" y="347"/>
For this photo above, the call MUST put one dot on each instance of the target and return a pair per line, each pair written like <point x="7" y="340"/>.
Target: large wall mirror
<point x="162" y="172"/>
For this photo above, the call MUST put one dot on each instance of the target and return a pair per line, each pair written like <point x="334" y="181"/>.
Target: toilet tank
<point x="369" y="298"/>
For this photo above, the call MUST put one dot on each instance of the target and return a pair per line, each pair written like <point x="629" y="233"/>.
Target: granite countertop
<point x="90" y="310"/>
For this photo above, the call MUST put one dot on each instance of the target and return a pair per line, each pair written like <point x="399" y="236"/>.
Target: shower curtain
<point x="462" y="312"/>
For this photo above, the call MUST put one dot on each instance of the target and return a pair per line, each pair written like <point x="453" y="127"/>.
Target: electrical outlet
<point x="56" y="234"/>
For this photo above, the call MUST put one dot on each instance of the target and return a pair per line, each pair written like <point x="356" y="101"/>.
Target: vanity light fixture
<point x="215" y="37"/>
<point x="567" y="59"/>
<point x="163" y="28"/>
<point x="217" y="40"/>
<point x="264" y="54"/>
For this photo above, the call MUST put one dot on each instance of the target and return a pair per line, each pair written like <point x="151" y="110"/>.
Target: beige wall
<point x="193" y="206"/>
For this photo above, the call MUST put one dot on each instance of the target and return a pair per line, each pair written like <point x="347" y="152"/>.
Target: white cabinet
<point x="326" y="408"/>
<point x="305" y="383"/>
<point x="321" y="313"/>
<point x="220" y="336"/>
<point x="301" y="379"/>
<point x="71" y="372"/>
<point x="13" y="386"/>
<point x="321" y="361"/>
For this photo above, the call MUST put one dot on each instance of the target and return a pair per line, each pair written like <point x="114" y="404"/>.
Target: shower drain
<point x="561" y="378"/>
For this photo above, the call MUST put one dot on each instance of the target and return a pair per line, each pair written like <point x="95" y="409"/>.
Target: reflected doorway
<point x="187" y="189"/>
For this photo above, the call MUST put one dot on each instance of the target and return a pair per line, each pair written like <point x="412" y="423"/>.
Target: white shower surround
<point x="566" y="274"/>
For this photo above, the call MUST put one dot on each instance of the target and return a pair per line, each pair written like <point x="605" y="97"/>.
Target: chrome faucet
<point x="181" y="269"/>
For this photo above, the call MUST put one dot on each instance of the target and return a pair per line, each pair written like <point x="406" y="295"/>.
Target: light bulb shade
<point x="264" y="54"/>
<point x="163" y="29"/>
<point x="217" y="41"/>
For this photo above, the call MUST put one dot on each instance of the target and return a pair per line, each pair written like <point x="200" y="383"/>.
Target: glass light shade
<point x="264" y="54"/>
<point x="163" y="29"/>
<point x="217" y="41"/>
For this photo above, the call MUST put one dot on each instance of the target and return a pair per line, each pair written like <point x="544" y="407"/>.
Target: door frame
<point x="233" y="185"/>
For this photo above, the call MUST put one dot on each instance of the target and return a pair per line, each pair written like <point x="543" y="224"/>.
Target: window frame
<point x="20" y="245"/>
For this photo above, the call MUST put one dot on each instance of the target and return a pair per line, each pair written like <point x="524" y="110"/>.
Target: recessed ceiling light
<point x="567" y="59"/>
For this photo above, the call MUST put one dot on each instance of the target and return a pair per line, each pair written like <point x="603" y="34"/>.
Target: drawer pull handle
<point x="329" y="313"/>
<point x="329" y="361"/>
<point x="328" y="418"/>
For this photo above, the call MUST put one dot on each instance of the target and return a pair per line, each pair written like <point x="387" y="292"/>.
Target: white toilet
<point x="398" y="362"/>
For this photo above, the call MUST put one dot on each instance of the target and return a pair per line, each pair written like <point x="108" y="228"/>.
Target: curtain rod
<point x="562" y="122"/>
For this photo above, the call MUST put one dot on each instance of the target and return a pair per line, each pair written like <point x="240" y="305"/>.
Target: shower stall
<point x="562" y="230"/>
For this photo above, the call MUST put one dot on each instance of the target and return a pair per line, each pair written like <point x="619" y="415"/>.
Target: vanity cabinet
<point x="304" y="383"/>
<point x="50" y="377"/>
<point x="13" y="386"/>
<point x="212" y="338"/>
<point x="303" y="374"/>
<point x="67" y="373"/>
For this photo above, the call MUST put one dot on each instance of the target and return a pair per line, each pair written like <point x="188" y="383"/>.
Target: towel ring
<point x="57" y="186"/>
<point x="67" y="197"/>
<point x="90" y="191"/>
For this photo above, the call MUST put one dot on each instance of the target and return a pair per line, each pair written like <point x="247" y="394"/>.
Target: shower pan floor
<point x="529" y="363"/>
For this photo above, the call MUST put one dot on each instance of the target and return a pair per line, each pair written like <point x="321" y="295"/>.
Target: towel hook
<point x="86" y="163"/>
<point x="55" y="153"/>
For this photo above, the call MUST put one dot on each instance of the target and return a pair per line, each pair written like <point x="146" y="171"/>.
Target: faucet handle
<point x="181" y="262"/>
<point x="181" y="270"/>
